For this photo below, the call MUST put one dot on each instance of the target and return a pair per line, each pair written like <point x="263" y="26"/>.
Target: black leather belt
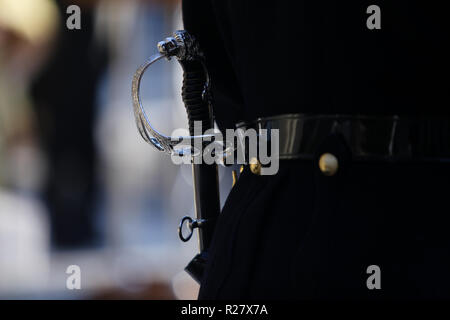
<point x="368" y="137"/>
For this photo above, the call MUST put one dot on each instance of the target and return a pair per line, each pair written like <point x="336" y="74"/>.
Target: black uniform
<point x="299" y="233"/>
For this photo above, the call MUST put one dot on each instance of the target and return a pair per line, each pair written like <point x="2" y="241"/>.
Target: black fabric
<point x="300" y="234"/>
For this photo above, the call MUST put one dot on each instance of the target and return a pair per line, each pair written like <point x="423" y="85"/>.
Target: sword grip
<point x="194" y="94"/>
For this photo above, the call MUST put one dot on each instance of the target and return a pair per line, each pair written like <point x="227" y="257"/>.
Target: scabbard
<point x="205" y="176"/>
<point x="206" y="200"/>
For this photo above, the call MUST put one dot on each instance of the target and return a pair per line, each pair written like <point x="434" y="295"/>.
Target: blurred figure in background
<point x="71" y="162"/>
<point x="27" y="30"/>
<point x="64" y="93"/>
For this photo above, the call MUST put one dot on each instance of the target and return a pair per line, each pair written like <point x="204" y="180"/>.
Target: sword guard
<point x="185" y="48"/>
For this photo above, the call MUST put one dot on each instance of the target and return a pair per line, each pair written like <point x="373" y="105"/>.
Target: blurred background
<point x="78" y="185"/>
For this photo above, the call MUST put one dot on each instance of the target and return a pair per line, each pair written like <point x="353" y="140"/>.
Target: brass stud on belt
<point x="328" y="164"/>
<point x="255" y="166"/>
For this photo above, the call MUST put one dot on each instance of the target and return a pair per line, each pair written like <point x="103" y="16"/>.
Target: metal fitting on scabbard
<point x="191" y="224"/>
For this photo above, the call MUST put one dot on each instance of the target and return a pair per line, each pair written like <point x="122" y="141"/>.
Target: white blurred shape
<point x="184" y="287"/>
<point x="24" y="244"/>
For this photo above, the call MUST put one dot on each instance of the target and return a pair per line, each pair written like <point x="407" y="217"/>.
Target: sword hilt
<point x="195" y="95"/>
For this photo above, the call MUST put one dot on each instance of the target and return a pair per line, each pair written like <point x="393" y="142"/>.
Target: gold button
<point x="255" y="166"/>
<point x="328" y="164"/>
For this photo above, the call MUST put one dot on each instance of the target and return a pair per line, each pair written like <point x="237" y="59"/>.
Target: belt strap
<point x="368" y="137"/>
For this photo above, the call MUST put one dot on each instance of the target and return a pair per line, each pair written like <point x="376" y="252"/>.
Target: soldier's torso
<point x="320" y="57"/>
